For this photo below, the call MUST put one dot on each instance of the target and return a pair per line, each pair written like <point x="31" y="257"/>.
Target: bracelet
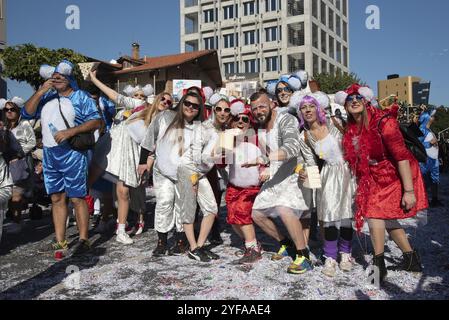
<point x="409" y="191"/>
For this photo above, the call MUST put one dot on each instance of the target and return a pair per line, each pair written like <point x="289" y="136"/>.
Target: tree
<point x="22" y="62"/>
<point x="331" y="84"/>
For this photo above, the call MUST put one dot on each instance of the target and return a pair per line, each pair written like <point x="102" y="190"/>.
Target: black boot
<point x="161" y="249"/>
<point x="435" y="202"/>
<point x="411" y="262"/>
<point x="180" y="246"/>
<point x="379" y="262"/>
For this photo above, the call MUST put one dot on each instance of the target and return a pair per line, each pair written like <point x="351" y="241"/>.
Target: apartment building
<point x="263" y="39"/>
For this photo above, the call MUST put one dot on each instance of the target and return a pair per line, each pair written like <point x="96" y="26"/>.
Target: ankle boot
<point x="411" y="262"/>
<point x="379" y="262"/>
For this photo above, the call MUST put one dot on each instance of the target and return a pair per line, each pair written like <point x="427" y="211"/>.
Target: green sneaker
<point x="54" y="246"/>
<point x="284" y="252"/>
<point x="300" y="265"/>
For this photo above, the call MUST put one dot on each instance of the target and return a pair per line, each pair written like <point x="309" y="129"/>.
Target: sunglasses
<point x="167" y="101"/>
<point x="285" y="89"/>
<point x="194" y="106"/>
<point x="354" y="97"/>
<point x="10" y="110"/>
<point x="220" y="109"/>
<point x="244" y="119"/>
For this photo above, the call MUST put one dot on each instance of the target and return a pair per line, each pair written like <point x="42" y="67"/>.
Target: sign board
<point x="241" y="89"/>
<point x="179" y="85"/>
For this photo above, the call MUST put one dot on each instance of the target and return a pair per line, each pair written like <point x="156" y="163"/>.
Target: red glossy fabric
<point x="374" y="160"/>
<point x="239" y="202"/>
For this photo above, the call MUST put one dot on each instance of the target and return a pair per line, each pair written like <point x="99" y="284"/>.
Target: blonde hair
<point x="151" y="111"/>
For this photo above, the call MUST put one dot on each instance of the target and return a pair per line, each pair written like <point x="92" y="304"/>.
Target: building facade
<point x="3" y="87"/>
<point x="409" y="89"/>
<point x="268" y="38"/>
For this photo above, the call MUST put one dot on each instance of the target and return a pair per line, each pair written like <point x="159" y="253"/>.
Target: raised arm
<point x="32" y="103"/>
<point x="110" y="93"/>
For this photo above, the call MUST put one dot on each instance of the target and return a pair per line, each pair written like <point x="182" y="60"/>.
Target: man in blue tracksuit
<point x="430" y="169"/>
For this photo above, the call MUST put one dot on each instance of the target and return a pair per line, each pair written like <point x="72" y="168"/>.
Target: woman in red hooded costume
<point x="389" y="184"/>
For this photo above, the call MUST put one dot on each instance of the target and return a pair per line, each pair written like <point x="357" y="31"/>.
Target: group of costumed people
<point x="366" y="171"/>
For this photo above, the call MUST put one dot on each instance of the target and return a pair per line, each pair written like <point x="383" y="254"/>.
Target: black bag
<point x="19" y="170"/>
<point x="82" y="141"/>
<point x="411" y="133"/>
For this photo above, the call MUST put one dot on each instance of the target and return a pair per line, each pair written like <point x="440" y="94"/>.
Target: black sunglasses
<point x="10" y="110"/>
<point x="357" y="97"/>
<point x="285" y="89"/>
<point x="167" y="101"/>
<point x="220" y="109"/>
<point x="194" y="106"/>
<point x="245" y="119"/>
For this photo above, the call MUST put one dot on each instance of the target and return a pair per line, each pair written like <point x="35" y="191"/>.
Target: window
<point x="230" y="40"/>
<point x="209" y="16"/>
<point x="250" y="37"/>
<point x="323" y="66"/>
<point x="315" y="65"/>
<point x="272" y="64"/>
<point x="315" y="36"/>
<point x="331" y="69"/>
<point x="339" y="57"/>
<point x="323" y="42"/>
<point x="346" y="60"/>
<point x="338" y="26"/>
<point x="323" y="12"/>
<point x="251" y="66"/>
<point x="345" y="31"/>
<point x="272" y="5"/>
<point x="231" y="68"/>
<point x="331" y="47"/>
<point x="228" y="12"/>
<point x="315" y="9"/>
<point x="249" y="8"/>
<point x="331" y="19"/>
<point x="338" y="4"/>
<point x="210" y="43"/>
<point x="345" y="7"/>
<point x="271" y="34"/>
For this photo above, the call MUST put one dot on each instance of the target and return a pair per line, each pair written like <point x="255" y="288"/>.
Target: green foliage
<point x="331" y="84"/>
<point x="22" y="62"/>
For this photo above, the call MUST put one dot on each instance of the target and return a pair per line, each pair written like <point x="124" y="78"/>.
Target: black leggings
<point x="331" y="233"/>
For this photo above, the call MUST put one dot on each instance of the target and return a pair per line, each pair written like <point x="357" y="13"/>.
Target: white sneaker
<point x="346" y="262"/>
<point x="330" y="267"/>
<point x="140" y="227"/>
<point x="124" y="238"/>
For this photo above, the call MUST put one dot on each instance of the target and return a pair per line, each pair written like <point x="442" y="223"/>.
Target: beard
<point x="264" y="119"/>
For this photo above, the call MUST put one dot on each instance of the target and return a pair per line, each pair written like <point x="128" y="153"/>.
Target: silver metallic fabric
<point x="335" y="198"/>
<point x="118" y="154"/>
<point x="24" y="135"/>
<point x="167" y="212"/>
<point x="5" y="190"/>
<point x="282" y="191"/>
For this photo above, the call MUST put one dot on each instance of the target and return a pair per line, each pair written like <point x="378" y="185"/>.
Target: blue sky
<point x="413" y="38"/>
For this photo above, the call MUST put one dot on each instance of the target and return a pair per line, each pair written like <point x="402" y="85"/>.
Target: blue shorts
<point x="65" y="170"/>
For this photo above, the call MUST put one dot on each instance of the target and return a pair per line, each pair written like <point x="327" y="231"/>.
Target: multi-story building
<point x="2" y="44"/>
<point x="264" y="39"/>
<point x="409" y="89"/>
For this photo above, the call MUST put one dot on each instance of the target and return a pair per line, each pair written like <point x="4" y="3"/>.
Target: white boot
<point x="330" y="267"/>
<point x="124" y="238"/>
<point x="346" y="262"/>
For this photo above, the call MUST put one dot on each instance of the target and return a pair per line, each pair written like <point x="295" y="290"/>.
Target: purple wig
<point x="320" y="114"/>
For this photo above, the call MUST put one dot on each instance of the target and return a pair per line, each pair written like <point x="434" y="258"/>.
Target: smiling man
<point x="65" y="169"/>
<point x="281" y="195"/>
